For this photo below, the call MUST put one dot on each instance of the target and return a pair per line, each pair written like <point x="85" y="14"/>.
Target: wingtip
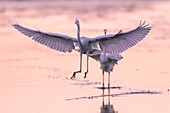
<point x="13" y="21"/>
<point x="144" y="25"/>
<point x="140" y="23"/>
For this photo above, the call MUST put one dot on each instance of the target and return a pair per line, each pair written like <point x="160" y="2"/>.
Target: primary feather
<point x="55" y="41"/>
<point x="122" y="40"/>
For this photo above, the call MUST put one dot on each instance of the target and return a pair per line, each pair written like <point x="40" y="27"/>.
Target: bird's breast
<point x="85" y="44"/>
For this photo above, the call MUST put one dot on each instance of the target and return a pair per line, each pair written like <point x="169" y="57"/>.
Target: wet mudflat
<point x="36" y="79"/>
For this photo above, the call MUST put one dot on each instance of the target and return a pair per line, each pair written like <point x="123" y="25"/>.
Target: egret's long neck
<point x="78" y="35"/>
<point x="103" y="57"/>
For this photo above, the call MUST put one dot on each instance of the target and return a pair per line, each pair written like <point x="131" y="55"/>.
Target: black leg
<point x="108" y="95"/>
<point x="103" y="97"/>
<point x="109" y="80"/>
<point x="74" y="74"/>
<point x="103" y="78"/>
<point x="87" y="66"/>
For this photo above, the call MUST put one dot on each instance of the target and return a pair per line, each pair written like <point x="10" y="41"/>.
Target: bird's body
<point x="112" y="43"/>
<point x="85" y="45"/>
<point x="107" y="62"/>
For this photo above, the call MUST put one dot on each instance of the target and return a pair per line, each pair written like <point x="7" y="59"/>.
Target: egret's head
<point x="105" y="31"/>
<point x="77" y="21"/>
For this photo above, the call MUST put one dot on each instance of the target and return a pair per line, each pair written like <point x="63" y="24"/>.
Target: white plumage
<point x="111" y="43"/>
<point x="107" y="62"/>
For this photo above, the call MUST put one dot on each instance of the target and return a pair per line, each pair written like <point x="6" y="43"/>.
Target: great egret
<point x="107" y="62"/>
<point x="112" y="43"/>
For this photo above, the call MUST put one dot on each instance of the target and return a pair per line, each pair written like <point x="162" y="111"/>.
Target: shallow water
<point x="36" y="79"/>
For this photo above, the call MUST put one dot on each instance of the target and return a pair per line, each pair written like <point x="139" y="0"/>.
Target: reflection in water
<point x="138" y="92"/>
<point x="107" y="108"/>
<point x="132" y="92"/>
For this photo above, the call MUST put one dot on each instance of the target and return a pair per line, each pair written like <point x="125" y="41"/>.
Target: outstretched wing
<point x="116" y="57"/>
<point x="95" y="54"/>
<point x="122" y="41"/>
<point x="55" y="41"/>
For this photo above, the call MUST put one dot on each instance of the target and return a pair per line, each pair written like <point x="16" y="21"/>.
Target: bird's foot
<point x="109" y="86"/>
<point x="85" y="75"/>
<point x="74" y="75"/>
<point x="103" y="87"/>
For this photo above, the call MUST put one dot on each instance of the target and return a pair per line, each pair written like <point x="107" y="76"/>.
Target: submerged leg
<point x="74" y="74"/>
<point x="87" y="66"/>
<point x="109" y="80"/>
<point x="103" y="98"/>
<point x="109" y="96"/>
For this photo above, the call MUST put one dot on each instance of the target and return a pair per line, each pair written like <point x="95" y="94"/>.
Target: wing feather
<point x="122" y="40"/>
<point x="124" y="45"/>
<point x="55" y="41"/>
